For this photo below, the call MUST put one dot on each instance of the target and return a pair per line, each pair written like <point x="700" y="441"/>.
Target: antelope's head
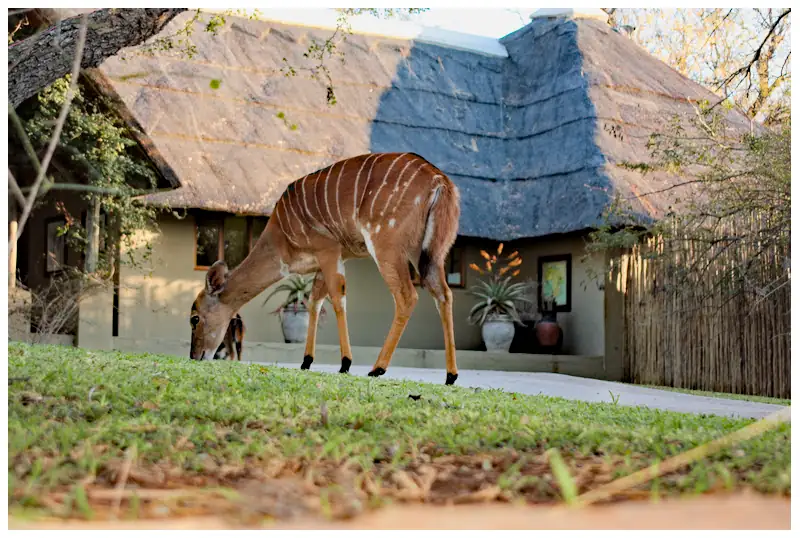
<point x="210" y="316"/>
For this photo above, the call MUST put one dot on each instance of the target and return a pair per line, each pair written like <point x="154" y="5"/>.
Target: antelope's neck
<point x="258" y="271"/>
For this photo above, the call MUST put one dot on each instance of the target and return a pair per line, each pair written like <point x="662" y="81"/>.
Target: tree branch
<point x="13" y="186"/>
<point x="62" y="117"/>
<point x="41" y="59"/>
<point x="757" y="54"/>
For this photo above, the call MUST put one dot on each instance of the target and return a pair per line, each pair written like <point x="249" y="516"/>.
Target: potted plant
<point x="496" y="309"/>
<point x="548" y="331"/>
<point x="293" y="311"/>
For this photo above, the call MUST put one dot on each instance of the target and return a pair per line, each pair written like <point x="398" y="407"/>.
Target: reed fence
<point x="692" y="320"/>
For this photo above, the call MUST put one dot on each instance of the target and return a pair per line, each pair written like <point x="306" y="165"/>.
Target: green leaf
<point x="215" y="83"/>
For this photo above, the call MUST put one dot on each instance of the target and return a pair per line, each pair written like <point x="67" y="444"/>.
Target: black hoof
<point x="345" y="365"/>
<point x="307" y="360"/>
<point x="377" y="372"/>
<point x="451" y="378"/>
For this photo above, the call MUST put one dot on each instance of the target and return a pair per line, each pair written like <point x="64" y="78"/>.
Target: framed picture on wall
<point x="555" y="278"/>
<point x="56" y="253"/>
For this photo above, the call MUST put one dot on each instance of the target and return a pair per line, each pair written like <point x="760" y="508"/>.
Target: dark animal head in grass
<point x="210" y="317"/>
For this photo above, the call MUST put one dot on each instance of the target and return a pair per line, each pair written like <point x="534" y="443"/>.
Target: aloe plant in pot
<point x="293" y="311"/>
<point x="496" y="309"/>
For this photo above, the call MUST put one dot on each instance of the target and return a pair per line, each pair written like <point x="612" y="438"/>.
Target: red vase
<point x="549" y="334"/>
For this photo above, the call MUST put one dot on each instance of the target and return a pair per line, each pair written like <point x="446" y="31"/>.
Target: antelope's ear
<point x="216" y="277"/>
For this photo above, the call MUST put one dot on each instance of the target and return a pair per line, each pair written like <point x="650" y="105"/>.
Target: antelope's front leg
<point x="318" y="294"/>
<point x="332" y="267"/>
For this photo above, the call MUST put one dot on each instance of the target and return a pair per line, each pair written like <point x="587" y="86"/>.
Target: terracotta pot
<point x="294" y="324"/>
<point x="498" y="332"/>
<point x="549" y="334"/>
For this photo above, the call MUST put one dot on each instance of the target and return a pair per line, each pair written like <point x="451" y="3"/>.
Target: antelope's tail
<point x="441" y="225"/>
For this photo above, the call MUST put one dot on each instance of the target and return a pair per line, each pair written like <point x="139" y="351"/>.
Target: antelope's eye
<point x="194" y="320"/>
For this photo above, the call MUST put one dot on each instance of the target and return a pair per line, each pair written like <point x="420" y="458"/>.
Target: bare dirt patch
<point x="328" y="493"/>
<point x="739" y="511"/>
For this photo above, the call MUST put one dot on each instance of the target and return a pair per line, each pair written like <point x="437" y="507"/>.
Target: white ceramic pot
<point x="498" y="332"/>
<point x="294" y="324"/>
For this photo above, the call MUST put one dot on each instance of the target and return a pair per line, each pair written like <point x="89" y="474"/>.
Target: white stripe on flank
<point x="385" y="177"/>
<point x="310" y="216"/>
<point x="355" y="187"/>
<point x="397" y="184"/>
<point x="327" y="205"/>
<point x="296" y="214"/>
<point x="324" y="230"/>
<point x="369" y="175"/>
<point x="280" y="223"/>
<point x="339" y="207"/>
<point x="417" y="200"/>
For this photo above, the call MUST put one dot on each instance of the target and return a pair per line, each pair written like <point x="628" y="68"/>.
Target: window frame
<point x="220" y="241"/>
<point x="220" y="219"/>
<point x="555" y="258"/>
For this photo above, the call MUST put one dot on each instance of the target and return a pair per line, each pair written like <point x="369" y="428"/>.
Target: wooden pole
<point x="93" y="231"/>
<point x="13" y="224"/>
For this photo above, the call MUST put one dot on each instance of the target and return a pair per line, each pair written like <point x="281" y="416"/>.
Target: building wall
<point x="155" y="300"/>
<point x="32" y="245"/>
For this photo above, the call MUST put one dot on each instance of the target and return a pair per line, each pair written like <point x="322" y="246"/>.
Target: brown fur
<point x="232" y="343"/>
<point x="380" y="202"/>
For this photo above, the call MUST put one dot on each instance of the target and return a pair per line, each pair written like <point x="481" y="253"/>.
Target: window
<point x="208" y="236"/>
<point x="555" y="276"/>
<point x="228" y="238"/>
<point x="453" y="268"/>
<point x="56" y="245"/>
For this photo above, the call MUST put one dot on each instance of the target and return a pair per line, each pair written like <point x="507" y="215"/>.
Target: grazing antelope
<point x="231" y="346"/>
<point x="397" y="208"/>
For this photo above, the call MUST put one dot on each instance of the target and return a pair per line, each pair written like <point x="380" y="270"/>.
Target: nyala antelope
<point x="397" y="208"/>
<point x="231" y="346"/>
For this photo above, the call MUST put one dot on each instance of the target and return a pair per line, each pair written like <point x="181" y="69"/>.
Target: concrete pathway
<point x="572" y="388"/>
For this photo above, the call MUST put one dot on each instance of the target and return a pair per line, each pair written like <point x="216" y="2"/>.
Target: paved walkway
<point x="572" y="388"/>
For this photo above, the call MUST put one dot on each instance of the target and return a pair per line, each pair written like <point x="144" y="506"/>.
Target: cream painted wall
<point x="584" y="328"/>
<point x="157" y="305"/>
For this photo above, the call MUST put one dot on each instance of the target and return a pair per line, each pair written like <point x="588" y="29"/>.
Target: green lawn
<point x="728" y="395"/>
<point x="335" y="444"/>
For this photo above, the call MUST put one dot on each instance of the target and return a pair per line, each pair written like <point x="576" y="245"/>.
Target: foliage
<point x="98" y="144"/>
<point x="743" y="54"/>
<point x="498" y="296"/>
<point x="76" y="416"/>
<point x="732" y="203"/>
<point x="299" y="292"/>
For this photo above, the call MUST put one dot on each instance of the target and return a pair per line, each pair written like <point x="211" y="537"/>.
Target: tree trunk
<point x="38" y="61"/>
<point x="93" y="236"/>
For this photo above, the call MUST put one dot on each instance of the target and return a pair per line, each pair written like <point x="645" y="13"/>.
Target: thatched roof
<point x="529" y="138"/>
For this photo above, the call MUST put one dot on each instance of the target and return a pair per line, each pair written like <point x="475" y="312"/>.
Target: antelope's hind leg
<point x="435" y="281"/>
<point x="394" y="269"/>
<point x="318" y="294"/>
